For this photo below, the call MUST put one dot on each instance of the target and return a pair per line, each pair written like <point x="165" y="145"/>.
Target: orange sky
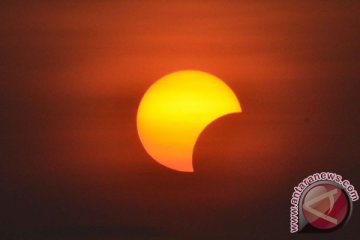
<point x="73" y="74"/>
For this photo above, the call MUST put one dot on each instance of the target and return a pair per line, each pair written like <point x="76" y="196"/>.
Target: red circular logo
<point x="325" y="206"/>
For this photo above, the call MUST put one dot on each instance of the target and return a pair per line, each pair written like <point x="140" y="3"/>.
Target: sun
<point x="176" y="109"/>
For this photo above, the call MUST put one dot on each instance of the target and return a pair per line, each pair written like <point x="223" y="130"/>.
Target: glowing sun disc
<point x="176" y="109"/>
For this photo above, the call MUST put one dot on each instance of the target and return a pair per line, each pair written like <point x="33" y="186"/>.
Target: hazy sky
<point x="73" y="74"/>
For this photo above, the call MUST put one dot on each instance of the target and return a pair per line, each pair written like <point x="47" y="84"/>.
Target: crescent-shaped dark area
<point x="253" y="145"/>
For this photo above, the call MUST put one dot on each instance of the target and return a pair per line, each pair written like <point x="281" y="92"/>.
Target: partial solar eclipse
<point x="176" y="109"/>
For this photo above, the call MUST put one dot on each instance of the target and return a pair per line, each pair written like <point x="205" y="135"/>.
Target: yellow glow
<point x="176" y="109"/>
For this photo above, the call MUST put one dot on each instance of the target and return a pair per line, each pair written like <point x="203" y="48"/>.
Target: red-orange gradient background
<point x="72" y="76"/>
